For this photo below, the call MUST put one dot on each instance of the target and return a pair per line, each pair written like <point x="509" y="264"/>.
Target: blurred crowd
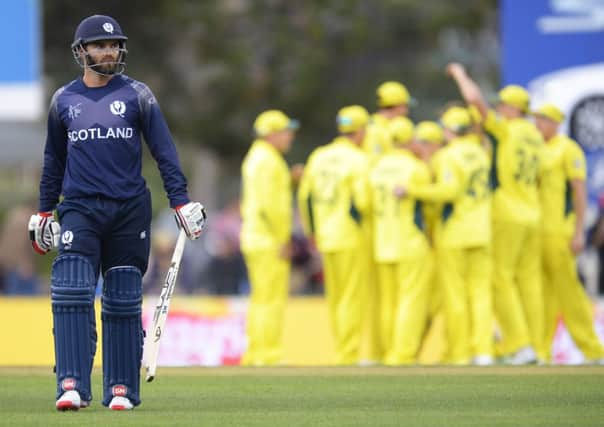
<point x="213" y="266"/>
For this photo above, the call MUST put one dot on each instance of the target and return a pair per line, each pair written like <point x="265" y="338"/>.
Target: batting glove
<point x="44" y="232"/>
<point x="191" y="218"/>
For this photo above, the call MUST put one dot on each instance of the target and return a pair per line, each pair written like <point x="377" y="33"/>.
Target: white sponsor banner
<point x="196" y="335"/>
<point x="21" y="101"/>
<point x="211" y="332"/>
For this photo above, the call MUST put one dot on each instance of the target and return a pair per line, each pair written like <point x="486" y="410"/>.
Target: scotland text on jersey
<point x="100" y="133"/>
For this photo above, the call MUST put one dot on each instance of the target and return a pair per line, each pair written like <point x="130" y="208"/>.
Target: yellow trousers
<point x="466" y="280"/>
<point x="371" y="347"/>
<point x="268" y="273"/>
<point x="563" y="294"/>
<point x="344" y="276"/>
<point x="434" y="342"/>
<point x="409" y="290"/>
<point x="517" y="289"/>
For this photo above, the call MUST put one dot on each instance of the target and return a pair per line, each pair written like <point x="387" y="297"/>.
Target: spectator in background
<point x="226" y="268"/>
<point x="597" y="240"/>
<point x="16" y="257"/>
<point x="163" y="243"/>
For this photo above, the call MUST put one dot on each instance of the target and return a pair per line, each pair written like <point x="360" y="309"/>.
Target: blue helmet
<point x="94" y="28"/>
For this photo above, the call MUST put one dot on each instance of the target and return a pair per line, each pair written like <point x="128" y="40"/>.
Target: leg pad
<point x="72" y="295"/>
<point x="122" y="333"/>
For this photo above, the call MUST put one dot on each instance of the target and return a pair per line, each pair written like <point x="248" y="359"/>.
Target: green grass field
<point x="377" y="396"/>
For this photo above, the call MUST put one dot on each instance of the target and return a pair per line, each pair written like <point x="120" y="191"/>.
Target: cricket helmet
<point x="94" y="28"/>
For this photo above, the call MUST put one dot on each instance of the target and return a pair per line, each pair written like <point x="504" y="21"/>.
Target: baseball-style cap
<point x="352" y="118"/>
<point x="516" y="96"/>
<point x="391" y="94"/>
<point x="97" y="27"/>
<point x="456" y="119"/>
<point x="428" y="131"/>
<point x="551" y="112"/>
<point x="272" y="121"/>
<point x="401" y="130"/>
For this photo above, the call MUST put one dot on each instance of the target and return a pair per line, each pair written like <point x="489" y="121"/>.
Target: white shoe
<point x="120" y="403"/>
<point x="69" y="401"/>
<point x="483" y="360"/>
<point x="524" y="356"/>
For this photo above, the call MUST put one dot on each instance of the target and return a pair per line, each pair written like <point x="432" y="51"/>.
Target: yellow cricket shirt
<point x="266" y="205"/>
<point x="334" y="195"/>
<point x="563" y="162"/>
<point x="398" y="222"/>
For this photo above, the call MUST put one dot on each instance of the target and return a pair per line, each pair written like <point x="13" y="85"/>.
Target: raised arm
<point x="470" y="91"/>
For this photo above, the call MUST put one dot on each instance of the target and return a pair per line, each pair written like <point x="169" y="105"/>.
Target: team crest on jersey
<point x="108" y="26"/>
<point x="74" y="111"/>
<point x="118" y="108"/>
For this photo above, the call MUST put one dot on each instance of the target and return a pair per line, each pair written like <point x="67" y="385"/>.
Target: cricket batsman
<point x="333" y="199"/>
<point x="93" y="158"/>
<point x="266" y="211"/>
<point x="564" y="201"/>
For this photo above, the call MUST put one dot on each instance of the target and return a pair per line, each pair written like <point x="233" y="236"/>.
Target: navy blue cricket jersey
<point x="94" y="145"/>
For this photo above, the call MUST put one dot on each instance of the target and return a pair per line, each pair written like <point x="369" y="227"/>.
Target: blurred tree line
<point x="214" y="65"/>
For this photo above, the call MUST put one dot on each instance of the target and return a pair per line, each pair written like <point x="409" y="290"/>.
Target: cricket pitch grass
<point x="288" y="396"/>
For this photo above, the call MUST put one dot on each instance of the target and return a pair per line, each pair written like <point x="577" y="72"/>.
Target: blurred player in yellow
<point x="266" y="210"/>
<point x="402" y="252"/>
<point x="464" y="238"/>
<point x="430" y="137"/>
<point x="393" y="101"/>
<point x="563" y="198"/>
<point x="516" y="151"/>
<point x="333" y="199"/>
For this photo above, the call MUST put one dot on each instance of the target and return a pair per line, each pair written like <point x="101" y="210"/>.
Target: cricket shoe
<point x="69" y="401"/>
<point x="483" y="360"/>
<point x="524" y="356"/>
<point x="120" y="403"/>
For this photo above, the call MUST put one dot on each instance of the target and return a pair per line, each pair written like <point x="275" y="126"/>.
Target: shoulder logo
<point x="108" y="26"/>
<point x="118" y="108"/>
<point x="74" y="111"/>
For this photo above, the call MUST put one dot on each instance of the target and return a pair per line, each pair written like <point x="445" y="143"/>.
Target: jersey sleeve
<point x="55" y="158"/>
<point x="267" y="194"/>
<point x="361" y="192"/>
<point x="494" y="126"/>
<point x="446" y="187"/>
<point x="304" y="200"/>
<point x="574" y="162"/>
<point x="159" y="140"/>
